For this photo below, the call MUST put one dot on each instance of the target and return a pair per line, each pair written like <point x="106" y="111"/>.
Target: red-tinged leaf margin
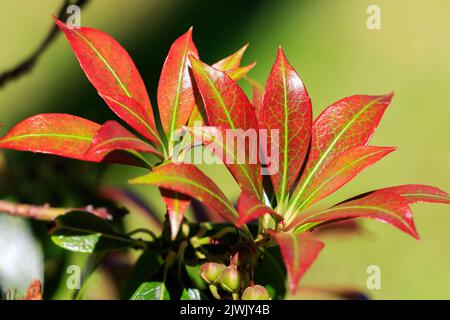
<point x="383" y="206"/>
<point x="347" y="123"/>
<point x="233" y="61"/>
<point x="53" y="133"/>
<point x="111" y="137"/>
<point x="286" y="107"/>
<point x="109" y="68"/>
<point x="177" y="204"/>
<point x="419" y="193"/>
<point x="251" y="208"/>
<point x="189" y="180"/>
<point x="341" y="170"/>
<point x="257" y="95"/>
<point x="299" y="251"/>
<point x="175" y="92"/>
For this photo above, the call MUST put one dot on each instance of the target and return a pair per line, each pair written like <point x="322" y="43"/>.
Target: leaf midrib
<point x="219" y="98"/>
<point x="178" y="91"/>
<point x="39" y="135"/>
<point x="241" y="166"/>
<point x="105" y="62"/>
<point x="349" y="165"/>
<point x="392" y="213"/>
<point x="155" y="177"/>
<point x="328" y="150"/>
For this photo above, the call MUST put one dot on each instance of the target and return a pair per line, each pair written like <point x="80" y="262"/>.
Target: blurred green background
<point x="335" y="54"/>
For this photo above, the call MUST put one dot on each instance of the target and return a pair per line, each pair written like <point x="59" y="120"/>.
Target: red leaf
<point x="112" y="136"/>
<point x="246" y="174"/>
<point x="132" y="112"/>
<point x="341" y="170"/>
<point x="383" y="206"/>
<point x="419" y="193"/>
<point x="175" y="94"/>
<point x="227" y="107"/>
<point x="55" y="133"/>
<point x="177" y="204"/>
<point x="250" y="208"/>
<point x="225" y="103"/>
<point x="233" y="61"/>
<point x="189" y="180"/>
<point x="258" y="91"/>
<point x="110" y="69"/>
<point x="345" y="124"/>
<point x="286" y="107"/>
<point x="299" y="251"/>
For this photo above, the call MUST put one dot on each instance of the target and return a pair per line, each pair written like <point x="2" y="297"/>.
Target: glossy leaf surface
<point x="189" y="180"/>
<point x="286" y="107"/>
<point x="113" y="136"/>
<point x="151" y="291"/>
<point x="55" y="133"/>
<point x="383" y="206"/>
<point x="348" y="123"/>
<point x="341" y="170"/>
<point x="420" y="193"/>
<point x="175" y="93"/>
<point x="81" y="231"/>
<point x="109" y="68"/>
<point x="250" y="208"/>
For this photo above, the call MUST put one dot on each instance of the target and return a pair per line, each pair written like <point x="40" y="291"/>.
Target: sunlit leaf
<point x="175" y="93"/>
<point x="341" y="170"/>
<point x="55" y="133"/>
<point x="345" y="124"/>
<point x="151" y="291"/>
<point x="189" y="180"/>
<point x="384" y="206"/>
<point x="110" y="70"/>
<point x="286" y="107"/>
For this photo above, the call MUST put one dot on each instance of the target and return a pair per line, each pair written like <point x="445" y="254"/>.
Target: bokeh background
<point x="335" y="54"/>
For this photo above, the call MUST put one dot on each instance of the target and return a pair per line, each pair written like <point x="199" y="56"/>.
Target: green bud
<point x="211" y="271"/>
<point x="256" y="292"/>
<point x="231" y="279"/>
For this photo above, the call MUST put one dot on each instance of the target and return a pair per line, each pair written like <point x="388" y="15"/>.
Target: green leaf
<point x="83" y="232"/>
<point x="191" y="294"/>
<point x="151" y="291"/>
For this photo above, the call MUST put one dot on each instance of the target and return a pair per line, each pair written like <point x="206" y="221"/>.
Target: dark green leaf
<point x="83" y="232"/>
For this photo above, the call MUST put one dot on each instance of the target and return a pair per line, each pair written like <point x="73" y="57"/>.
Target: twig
<point x="28" y="64"/>
<point x="46" y="212"/>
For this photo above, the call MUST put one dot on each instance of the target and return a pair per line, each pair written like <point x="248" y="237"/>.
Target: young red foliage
<point x="299" y="251"/>
<point x="286" y="107"/>
<point x="55" y="133"/>
<point x="175" y="93"/>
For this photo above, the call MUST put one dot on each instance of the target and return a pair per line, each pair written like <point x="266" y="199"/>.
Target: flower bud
<point x="256" y="292"/>
<point x="211" y="271"/>
<point x="231" y="279"/>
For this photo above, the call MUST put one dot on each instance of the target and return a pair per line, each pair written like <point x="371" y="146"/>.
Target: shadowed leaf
<point x="299" y="251"/>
